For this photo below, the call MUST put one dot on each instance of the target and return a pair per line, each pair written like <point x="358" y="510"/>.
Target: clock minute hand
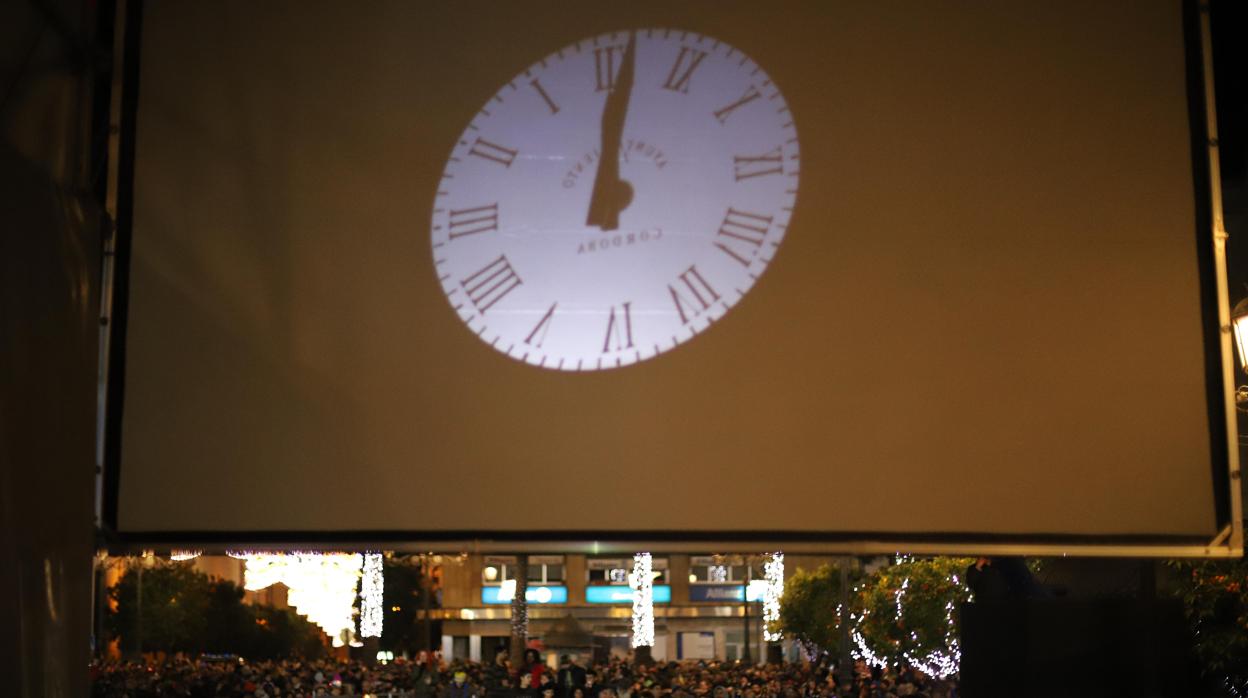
<point x="612" y="194"/>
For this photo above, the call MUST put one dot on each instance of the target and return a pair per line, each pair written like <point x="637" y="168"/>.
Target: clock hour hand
<point x="612" y="194"/>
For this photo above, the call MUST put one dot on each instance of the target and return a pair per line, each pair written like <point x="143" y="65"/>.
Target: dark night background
<point x="1229" y="20"/>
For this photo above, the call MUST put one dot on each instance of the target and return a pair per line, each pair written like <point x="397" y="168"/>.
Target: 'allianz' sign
<point x="727" y="592"/>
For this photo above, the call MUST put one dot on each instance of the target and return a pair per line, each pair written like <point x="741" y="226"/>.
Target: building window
<point x="543" y="569"/>
<point x="614" y="571"/>
<point x="714" y="569"/>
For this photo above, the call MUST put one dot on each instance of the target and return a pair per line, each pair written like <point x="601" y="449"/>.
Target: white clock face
<point x="565" y="258"/>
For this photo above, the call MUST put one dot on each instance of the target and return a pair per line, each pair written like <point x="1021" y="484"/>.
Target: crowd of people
<point x="430" y="677"/>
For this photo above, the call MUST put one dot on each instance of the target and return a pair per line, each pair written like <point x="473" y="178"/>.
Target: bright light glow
<point x="642" y="582"/>
<point x="179" y="555"/>
<point x="371" y="591"/>
<point x="507" y="590"/>
<point x="491" y="573"/>
<point x="322" y="586"/>
<point x="773" y="570"/>
<point x="717" y="573"/>
<point x="756" y="590"/>
<point x="1239" y="322"/>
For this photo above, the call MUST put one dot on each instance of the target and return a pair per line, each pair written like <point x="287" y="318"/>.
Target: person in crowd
<point x="571" y="676"/>
<point x="460" y="688"/>
<point x="426" y="675"/>
<point x="546" y="682"/>
<point x="534" y="666"/>
<point x="525" y="687"/>
<point x="592" y="687"/>
<point x="497" y="677"/>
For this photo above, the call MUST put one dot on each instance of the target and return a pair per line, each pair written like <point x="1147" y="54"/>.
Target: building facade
<point x="705" y="606"/>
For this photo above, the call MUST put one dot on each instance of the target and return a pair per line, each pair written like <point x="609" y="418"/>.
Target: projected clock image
<point x="615" y="199"/>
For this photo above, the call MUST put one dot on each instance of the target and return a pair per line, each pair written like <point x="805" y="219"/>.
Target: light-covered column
<point x="773" y="570"/>
<point x="371" y="596"/>
<point x="642" y="582"/>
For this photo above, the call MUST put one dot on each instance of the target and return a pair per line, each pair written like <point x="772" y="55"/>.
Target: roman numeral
<point x="703" y="294"/>
<point x="542" y="326"/>
<point x="746" y="166"/>
<point x="751" y="94"/>
<point x="554" y="108"/>
<point x="678" y="79"/>
<point x="739" y="229"/>
<point x="606" y="66"/>
<point x="491" y="283"/>
<point x="470" y="221"/>
<point x="493" y="151"/>
<point x="621" y="329"/>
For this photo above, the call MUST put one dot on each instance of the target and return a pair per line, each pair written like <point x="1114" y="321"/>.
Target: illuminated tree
<point x="907" y="614"/>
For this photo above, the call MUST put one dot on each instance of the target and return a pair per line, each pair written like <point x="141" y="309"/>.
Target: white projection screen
<point x="979" y="299"/>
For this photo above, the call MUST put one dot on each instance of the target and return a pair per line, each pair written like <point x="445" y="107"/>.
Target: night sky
<point x="1229" y="19"/>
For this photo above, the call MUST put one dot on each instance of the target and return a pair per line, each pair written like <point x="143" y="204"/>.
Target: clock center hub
<point x="632" y="150"/>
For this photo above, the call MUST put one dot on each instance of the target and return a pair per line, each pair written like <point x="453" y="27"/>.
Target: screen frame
<point x="122" y="115"/>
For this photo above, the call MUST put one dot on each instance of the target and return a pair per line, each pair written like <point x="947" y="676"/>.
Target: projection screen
<point x="818" y="271"/>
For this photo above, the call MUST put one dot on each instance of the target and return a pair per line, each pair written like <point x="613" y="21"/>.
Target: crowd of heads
<point x="212" y="677"/>
<point x="428" y="676"/>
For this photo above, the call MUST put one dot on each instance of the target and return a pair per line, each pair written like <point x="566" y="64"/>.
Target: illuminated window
<point x="543" y="569"/>
<point x="602" y="571"/>
<point x="712" y="569"/>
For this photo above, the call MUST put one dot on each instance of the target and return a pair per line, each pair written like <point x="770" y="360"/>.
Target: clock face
<point x="615" y="199"/>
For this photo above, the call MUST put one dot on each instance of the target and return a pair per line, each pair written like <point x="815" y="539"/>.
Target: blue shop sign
<point x="724" y="592"/>
<point x="620" y="593"/>
<point x="534" y="594"/>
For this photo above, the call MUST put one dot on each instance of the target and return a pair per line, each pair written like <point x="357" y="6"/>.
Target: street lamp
<point x="1239" y="325"/>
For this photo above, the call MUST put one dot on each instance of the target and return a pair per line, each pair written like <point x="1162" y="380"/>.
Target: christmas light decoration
<point x="773" y="572"/>
<point x="937" y="662"/>
<point x="180" y="555"/>
<point x="322" y="585"/>
<point x="519" y="602"/>
<point x="642" y="582"/>
<point x="371" y="586"/>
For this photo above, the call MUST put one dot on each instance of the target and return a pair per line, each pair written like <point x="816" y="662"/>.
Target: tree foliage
<point x="1215" y="598"/>
<point x="907" y="613"/>
<point x="808" y="609"/>
<point x="183" y="610"/>
<point x="903" y="613"/>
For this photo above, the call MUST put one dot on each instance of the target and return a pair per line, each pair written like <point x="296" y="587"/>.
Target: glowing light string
<point x="371" y="586"/>
<point x="940" y="663"/>
<point x="773" y="572"/>
<point x="642" y="582"/>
